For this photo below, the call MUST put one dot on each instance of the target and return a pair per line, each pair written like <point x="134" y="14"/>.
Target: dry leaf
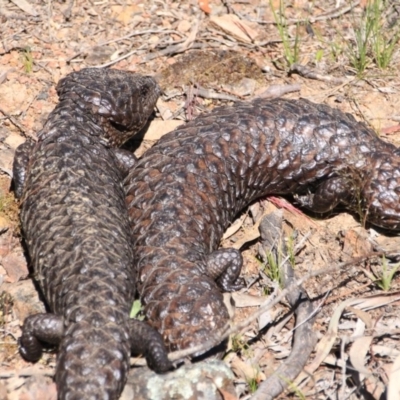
<point x="358" y="329"/>
<point x="264" y="319"/>
<point x="324" y="346"/>
<point x="235" y="27"/>
<point x="251" y="33"/>
<point x="358" y="354"/>
<point x="246" y="371"/>
<point x="364" y="316"/>
<point x="247" y="300"/>
<point x="334" y="361"/>
<point x="26" y="7"/>
<point x="237" y="224"/>
<point x="369" y="303"/>
<point x="250" y="234"/>
<point x="204" y="6"/>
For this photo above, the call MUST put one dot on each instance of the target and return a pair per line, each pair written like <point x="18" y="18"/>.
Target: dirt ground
<point x="207" y="53"/>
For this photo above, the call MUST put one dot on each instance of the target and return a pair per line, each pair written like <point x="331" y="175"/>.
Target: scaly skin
<point x="76" y="228"/>
<point x="185" y="191"/>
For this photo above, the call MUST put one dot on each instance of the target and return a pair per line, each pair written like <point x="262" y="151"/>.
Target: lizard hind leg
<point x="38" y="328"/>
<point x="224" y="266"/>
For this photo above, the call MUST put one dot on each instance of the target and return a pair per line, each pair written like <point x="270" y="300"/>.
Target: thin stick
<point x="13" y="121"/>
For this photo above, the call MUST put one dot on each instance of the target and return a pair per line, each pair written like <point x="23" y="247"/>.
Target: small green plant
<point x="136" y="310"/>
<point x="326" y="47"/>
<point x="358" y="52"/>
<point x="273" y="270"/>
<point x="272" y="267"/>
<point x="253" y="385"/>
<point x="319" y="55"/>
<point x="372" y="41"/>
<point x="336" y="49"/>
<point x="291" y="51"/>
<point x="382" y="43"/>
<point x="27" y="59"/>
<point x="385" y="277"/>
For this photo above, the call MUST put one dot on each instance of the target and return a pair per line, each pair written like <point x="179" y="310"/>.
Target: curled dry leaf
<point x="363" y="316"/>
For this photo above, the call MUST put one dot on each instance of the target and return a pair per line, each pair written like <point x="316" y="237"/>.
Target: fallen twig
<point x="309" y="73"/>
<point x="210" y="94"/>
<point x="279" y="90"/>
<point x="175" y="49"/>
<point x="13" y="121"/>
